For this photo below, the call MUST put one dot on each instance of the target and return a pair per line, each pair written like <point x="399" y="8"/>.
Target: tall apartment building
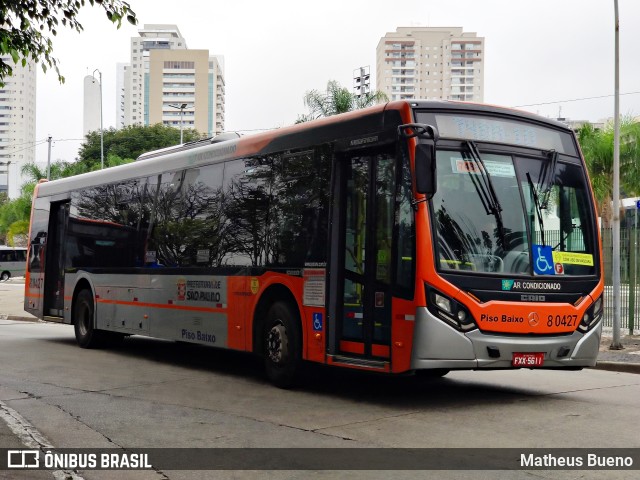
<point x="163" y="76"/>
<point x="431" y="63"/>
<point x="17" y="125"/>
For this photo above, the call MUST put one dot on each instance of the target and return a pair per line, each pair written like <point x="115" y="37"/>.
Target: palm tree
<point x="335" y="100"/>
<point x="597" y="148"/>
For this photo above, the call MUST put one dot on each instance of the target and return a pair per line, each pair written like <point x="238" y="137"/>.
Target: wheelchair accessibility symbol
<point x="317" y="322"/>
<point x="543" y="260"/>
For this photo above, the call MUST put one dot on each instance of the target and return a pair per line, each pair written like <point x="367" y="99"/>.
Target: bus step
<point x="51" y="318"/>
<point x="360" y="362"/>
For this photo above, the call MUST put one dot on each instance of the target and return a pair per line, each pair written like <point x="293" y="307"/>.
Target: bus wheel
<point x="282" y="352"/>
<point x="5" y="276"/>
<point x="86" y="334"/>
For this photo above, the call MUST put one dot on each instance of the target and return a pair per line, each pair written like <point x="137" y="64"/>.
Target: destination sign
<point x="489" y="129"/>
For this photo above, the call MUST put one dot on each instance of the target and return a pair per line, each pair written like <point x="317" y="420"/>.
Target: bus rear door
<point x="55" y="261"/>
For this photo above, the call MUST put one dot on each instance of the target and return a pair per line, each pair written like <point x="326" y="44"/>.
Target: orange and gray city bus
<point x="407" y="237"/>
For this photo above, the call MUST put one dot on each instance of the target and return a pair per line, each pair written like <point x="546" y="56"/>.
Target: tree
<point x="130" y="142"/>
<point x="597" y="148"/>
<point x="335" y="100"/>
<point x="22" y="23"/>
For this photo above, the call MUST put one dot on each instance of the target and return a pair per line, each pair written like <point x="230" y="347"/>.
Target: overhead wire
<point x="572" y="100"/>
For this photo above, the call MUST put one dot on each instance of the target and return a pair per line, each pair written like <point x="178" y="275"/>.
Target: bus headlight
<point x="449" y="310"/>
<point x="592" y="316"/>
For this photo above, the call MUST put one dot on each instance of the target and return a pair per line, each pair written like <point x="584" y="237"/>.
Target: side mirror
<point x="425" y="162"/>
<point x="424" y="155"/>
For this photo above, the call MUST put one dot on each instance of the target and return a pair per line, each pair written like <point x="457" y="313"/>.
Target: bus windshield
<point x="539" y="222"/>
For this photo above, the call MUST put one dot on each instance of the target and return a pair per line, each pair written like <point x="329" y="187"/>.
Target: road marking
<point x="31" y="437"/>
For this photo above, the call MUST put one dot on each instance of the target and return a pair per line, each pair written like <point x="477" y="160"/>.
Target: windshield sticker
<point x="495" y="169"/>
<point x="572" y="258"/>
<point x="460" y="165"/>
<point x="543" y="263"/>
<point x="500" y="169"/>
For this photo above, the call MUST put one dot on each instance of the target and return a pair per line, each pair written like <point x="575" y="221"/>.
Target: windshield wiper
<point x="484" y="187"/>
<point x="548" y="178"/>
<point x="536" y="202"/>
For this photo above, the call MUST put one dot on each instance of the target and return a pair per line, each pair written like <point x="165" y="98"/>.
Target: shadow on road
<point x="371" y="388"/>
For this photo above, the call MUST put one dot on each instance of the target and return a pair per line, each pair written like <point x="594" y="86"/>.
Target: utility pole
<point x="49" y="159"/>
<point x="616" y="344"/>
<point x="101" y="129"/>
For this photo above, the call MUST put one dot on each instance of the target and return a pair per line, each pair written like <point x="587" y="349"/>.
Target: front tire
<point x="5" y="276"/>
<point x="83" y="321"/>
<point x="282" y="345"/>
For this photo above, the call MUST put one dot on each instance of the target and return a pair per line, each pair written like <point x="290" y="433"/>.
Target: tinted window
<point x="405" y="253"/>
<point x="298" y="209"/>
<point x="246" y="203"/>
<point x="103" y="224"/>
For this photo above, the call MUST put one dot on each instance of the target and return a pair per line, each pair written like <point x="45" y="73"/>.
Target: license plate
<point x="528" y="359"/>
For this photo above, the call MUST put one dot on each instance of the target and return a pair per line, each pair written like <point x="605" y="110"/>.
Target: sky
<point x="540" y="55"/>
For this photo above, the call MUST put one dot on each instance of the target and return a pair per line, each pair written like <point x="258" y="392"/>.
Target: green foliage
<point x="335" y="100"/>
<point x="18" y="233"/>
<point x="597" y="148"/>
<point x="28" y="24"/>
<point x="130" y="142"/>
<point x="14" y="211"/>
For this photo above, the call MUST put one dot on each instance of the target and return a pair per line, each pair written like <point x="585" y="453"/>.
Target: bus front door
<point x="55" y="261"/>
<point x="363" y="303"/>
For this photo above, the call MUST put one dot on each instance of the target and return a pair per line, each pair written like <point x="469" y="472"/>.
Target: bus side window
<point x="203" y="220"/>
<point x="246" y="200"/>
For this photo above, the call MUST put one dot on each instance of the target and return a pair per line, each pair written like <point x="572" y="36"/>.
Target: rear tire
<point x="282" y="345"/>
<point x="5" y="276"/>
<point x="84" y="322"/>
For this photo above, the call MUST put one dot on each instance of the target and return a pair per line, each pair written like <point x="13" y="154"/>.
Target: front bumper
<point x="437" y="345"/>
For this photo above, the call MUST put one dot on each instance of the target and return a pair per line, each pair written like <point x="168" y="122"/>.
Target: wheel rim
<point x="277" y="344"/>
<point x="83" y="319"/>
<point x="5" y="276"/>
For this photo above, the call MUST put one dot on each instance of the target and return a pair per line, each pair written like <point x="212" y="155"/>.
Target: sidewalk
<point x="626" y="360"/>
<point x="12" y="301"/>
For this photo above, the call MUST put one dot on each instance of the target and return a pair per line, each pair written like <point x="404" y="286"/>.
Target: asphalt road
<point x="150" y="393"/>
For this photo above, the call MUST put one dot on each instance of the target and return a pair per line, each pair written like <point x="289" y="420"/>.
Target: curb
<point x="18" y="318"/>
<point x="618" y="367"/>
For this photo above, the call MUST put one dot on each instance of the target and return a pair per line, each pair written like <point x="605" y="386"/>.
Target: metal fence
<point x="629" y="276"/>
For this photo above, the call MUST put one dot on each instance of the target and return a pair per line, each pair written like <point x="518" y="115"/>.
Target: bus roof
<point x="321" y="130"/>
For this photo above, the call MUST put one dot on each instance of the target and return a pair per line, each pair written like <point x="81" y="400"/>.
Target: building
<point x="121" y="73"/>
<point x="17" y="125"/>
<point x="442" y="63"/>
<point x="170" y="84"/>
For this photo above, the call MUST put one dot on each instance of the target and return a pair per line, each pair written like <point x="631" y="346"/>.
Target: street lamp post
<point x="181" y="108"/>
<point x="101" y="129"/>
<point x="616" y="344"/>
